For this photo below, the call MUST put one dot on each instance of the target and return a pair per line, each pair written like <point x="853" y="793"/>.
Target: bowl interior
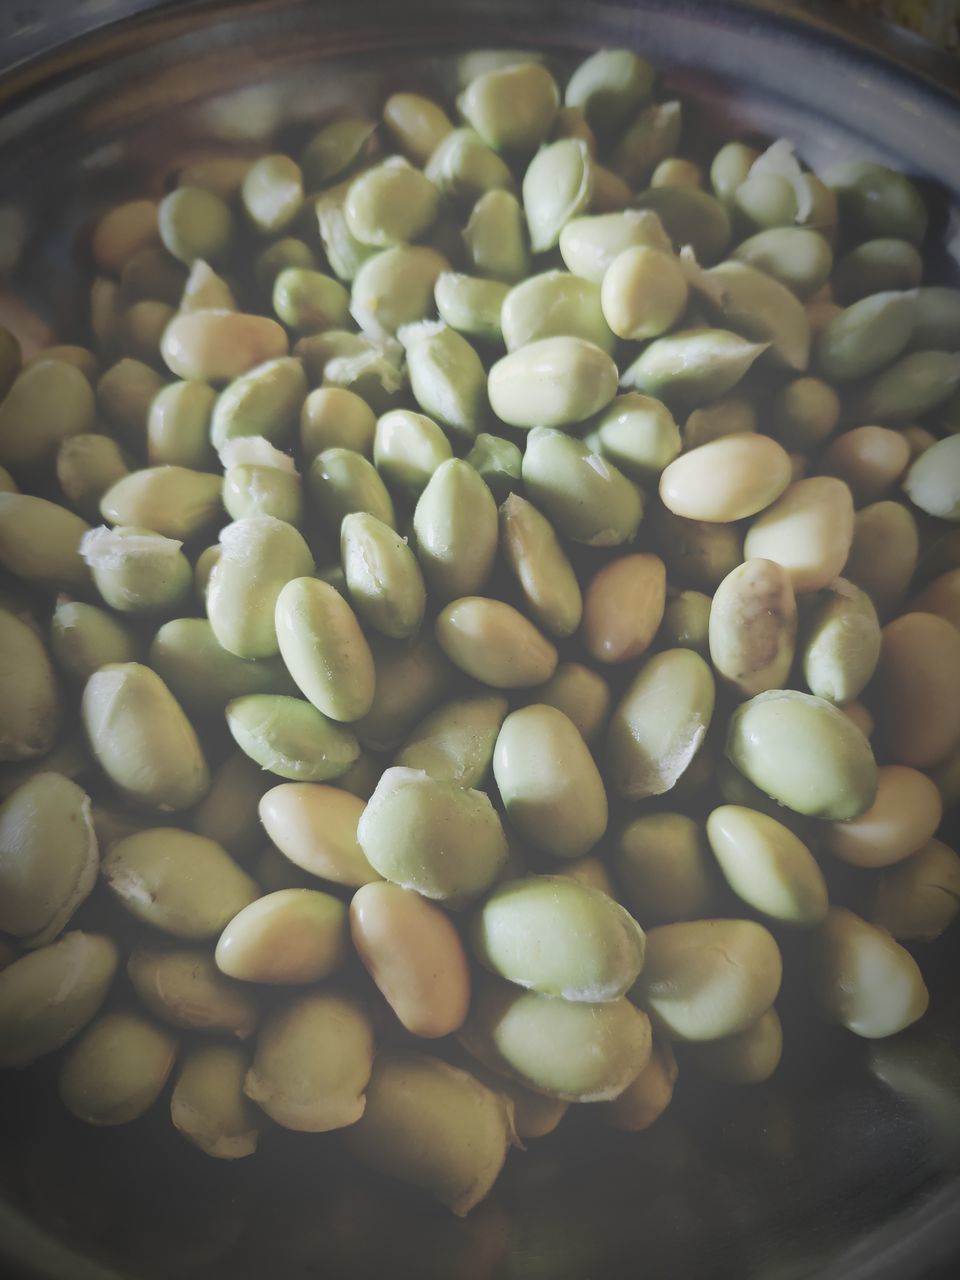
<point x="852" y="1149"/>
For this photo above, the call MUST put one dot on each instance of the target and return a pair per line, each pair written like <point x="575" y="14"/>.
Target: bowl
<point x="847" y="1163"/>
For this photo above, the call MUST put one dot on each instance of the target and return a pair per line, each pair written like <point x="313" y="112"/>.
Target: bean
<point x="414" y="954"/>
<point x="550" y="787"/>
<point x="866" y="981"/>
<point x="708" y="979"/>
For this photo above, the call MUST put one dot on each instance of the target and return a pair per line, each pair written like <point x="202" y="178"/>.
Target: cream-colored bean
<point x="865" y="980"/>
<point x="918" y="708"/>
<point x="290" y="937"/>
<point x="801" y="751"/>
<point x="315" y="826"/>
<point x="727" y="479"/>
<point x="644" y="293"/>
<point x="706" y="979"/>
<point x="870" y="459"/>
<point x="433" y="835"/>
<point x="753" y="627"/>
<point x="414" y="954"/>
<point x="623" y="608"/>
<point x="494" y="643"/>
<point x="554" y="935"/>
<point x="47" y="995"/>
<point x="808" y="530"/>
<point x="903" y="817"/>
<point x="216" y="346"/>
<point x="767" y="866"/>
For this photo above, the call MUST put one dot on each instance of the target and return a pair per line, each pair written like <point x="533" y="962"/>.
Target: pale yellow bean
<point x="289" y="937"/>
<point x="217" y="346"/>
<point x="705" y="979"/>
<point x="865" y="980"/>
<point x="727" y="479"/>
<point x="312" y="1062"/>
<point x="808" y="530"/>
<point x="315" y="826"/>
<point x="414" y="954"/>
<point x="903" y="817"/>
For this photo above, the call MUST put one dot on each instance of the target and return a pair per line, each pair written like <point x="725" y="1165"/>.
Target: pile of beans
<point x="482" y="585"/>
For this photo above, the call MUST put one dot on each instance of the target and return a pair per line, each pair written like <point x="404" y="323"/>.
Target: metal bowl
<point x="847" y="1164"/>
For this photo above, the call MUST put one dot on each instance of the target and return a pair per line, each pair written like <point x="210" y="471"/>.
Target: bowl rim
<point x="79" y="38"/>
